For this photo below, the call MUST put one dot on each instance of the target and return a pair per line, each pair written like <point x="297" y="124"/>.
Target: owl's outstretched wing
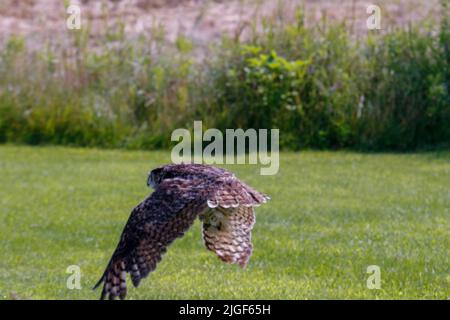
<point x="153" y="225"/>
<point x="228" y="223"/>
<point x="227" y="232"/>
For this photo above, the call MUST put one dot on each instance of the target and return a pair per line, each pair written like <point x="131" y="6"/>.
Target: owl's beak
<point x="149" y="180"/>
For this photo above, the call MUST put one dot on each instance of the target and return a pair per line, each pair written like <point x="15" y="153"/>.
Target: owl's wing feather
<point x="231" y="193"/>
<point x="228" y="223"/>
<point x="227" y="232"/>
<point x="153" y="225"/>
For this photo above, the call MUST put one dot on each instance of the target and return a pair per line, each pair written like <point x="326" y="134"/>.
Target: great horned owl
<point x="182" y="192"/>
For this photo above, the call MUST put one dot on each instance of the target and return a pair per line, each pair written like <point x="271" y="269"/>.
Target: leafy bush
<point x="310" y="97"/>
<point x="407" y="102"/>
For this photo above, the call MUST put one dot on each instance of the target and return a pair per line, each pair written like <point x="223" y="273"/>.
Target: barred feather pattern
<point x="232" y="193"/>
<point x="227" y="232"/>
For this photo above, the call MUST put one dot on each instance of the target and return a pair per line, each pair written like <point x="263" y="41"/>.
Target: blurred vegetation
<point x="319" y="85"/>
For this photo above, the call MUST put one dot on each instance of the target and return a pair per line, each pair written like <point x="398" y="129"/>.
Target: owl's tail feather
<point x="115" y="281"/>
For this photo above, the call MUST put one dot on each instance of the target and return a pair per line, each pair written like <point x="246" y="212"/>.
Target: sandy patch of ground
<point x="200" y="20"/>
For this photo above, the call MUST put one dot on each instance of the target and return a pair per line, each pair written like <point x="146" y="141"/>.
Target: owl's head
<point x="155" y="177"/>
<point x="184" y="171"/>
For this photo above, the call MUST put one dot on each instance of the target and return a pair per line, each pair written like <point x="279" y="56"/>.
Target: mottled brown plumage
<point x="182" y="192"/>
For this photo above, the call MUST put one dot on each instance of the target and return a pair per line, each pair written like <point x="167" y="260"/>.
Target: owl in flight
<point x="182" y="192"/>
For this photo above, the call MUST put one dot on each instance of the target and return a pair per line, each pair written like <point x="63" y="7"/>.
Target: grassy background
<point x="320" y="84"/>
<point x="331" y="215"/>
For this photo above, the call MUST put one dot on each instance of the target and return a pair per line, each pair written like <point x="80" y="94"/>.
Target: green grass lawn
<point x="332" y="214"/>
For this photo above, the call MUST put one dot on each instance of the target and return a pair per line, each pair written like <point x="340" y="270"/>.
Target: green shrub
<point x="407" y="103"/>
<point x="303" y="83"/>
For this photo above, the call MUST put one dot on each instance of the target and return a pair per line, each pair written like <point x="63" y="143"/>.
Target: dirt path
<point x="200" y="20"/>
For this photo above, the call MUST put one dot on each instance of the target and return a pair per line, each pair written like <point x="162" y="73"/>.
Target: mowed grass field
<point x="332" y="214"/>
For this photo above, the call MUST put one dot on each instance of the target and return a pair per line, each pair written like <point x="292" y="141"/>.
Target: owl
<point x="183" y="192"/>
